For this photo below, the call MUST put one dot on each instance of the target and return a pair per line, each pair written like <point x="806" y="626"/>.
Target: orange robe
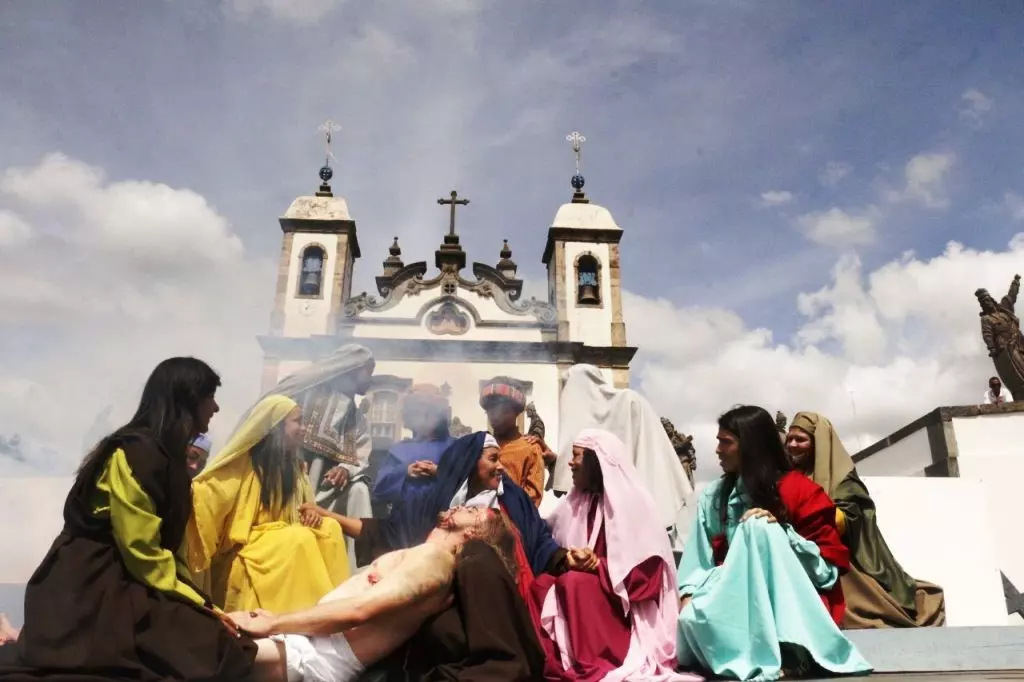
<point x="524" y="464"/>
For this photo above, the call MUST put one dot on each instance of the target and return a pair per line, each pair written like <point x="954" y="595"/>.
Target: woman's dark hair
<point x="276" y="467"/>
<point x="763" y="460"/>
<point x="592" y="470"/>
<point x="168" y="414"/>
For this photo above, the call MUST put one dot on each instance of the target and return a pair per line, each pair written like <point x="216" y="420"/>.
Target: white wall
<point x="305" y="317"/>
<point x="991" y="449"/>
<point x="592" y="326"/>
<point x="906" y="457"/>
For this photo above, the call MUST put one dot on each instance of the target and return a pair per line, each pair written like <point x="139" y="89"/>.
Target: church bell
<point x="311" y="283"/>
<point x="588" y="294"/>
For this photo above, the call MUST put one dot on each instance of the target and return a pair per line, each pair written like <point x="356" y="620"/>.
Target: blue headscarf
<point x="415" y="516"/>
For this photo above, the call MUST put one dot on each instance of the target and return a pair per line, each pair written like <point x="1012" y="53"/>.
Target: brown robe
<point x="87" y="618"/>
<point x="879" y="593"/>
<point x="486" y="635"/>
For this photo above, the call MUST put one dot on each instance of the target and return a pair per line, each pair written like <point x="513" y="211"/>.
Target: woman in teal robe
<point x="759" y="579"/>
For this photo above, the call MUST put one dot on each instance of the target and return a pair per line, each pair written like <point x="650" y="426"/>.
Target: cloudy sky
<point x="810" y="192"/>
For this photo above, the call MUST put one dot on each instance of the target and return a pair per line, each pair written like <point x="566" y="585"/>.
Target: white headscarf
<point x="589" y="401"/>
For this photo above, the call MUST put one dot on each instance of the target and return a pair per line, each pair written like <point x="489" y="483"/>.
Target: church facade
<point x="455" y="325"/>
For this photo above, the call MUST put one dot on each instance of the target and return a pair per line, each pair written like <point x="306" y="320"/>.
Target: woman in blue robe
<point x="413" y="461"/>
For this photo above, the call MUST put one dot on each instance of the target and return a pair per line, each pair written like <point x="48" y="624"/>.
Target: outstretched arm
<point x="349" y="526"/>
<point x="1011" y="295"/>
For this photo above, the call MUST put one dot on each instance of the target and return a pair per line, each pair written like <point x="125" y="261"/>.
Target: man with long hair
<point x="375" y="611"/>
<point x="111" y="600"/>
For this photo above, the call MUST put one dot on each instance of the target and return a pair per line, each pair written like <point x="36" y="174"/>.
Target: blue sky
<point x="720" y="134"/>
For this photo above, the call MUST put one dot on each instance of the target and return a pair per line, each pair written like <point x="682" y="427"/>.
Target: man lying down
<point x="376" y="610"/>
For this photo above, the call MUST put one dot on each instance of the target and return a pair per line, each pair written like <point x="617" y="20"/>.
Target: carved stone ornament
<point x="536" y="427"/>
<point x="683" y="446"/>
<point x="780" y="421"/>
<point x="457" y="429"/>
<point x="448" y="320"/>
<point x="489" y="283"/>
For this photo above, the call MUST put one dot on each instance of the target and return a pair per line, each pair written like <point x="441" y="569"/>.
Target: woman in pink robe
<point x="617" y="621"/>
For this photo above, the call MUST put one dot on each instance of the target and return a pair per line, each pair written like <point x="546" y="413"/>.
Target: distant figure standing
<point x="503" y="400"/>
<point x="1000" y="329"/>
<point x="197" y="453"/>
<point x="997" y="393"/>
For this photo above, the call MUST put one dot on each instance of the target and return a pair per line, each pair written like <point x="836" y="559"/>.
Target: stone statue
<point x="1000" y="328"/>
<point x="457" y="429"/>
<point x="683" y="445"/>
<point x="536" y="427"/>
<point x="780" y="421"/>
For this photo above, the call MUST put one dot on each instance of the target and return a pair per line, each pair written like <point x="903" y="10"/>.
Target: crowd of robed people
<point x="247" y="570"/>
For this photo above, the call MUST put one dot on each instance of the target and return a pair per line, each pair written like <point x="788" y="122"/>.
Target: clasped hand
<point x="337" y="476"/>
<point x="311" y="515"/>
<point x="423" y="468"/>
<point x="582" y="559"/>
<point x="757" y="513"/>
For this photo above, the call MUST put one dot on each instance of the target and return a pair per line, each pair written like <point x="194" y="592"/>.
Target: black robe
<point x="87" y="618"/>
<point x="486" y="635"/>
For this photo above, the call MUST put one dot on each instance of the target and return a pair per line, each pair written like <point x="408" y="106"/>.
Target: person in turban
<point x="504" y="400"/>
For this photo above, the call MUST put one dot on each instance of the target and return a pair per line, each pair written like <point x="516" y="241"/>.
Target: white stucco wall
<point x="906" y="457"/>
<point x="305" y="317"/>
<point x="592" y="326"/>
<point x="991" y="449"/>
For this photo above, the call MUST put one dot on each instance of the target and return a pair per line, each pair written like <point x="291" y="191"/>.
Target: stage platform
<point x="965" y="653"/>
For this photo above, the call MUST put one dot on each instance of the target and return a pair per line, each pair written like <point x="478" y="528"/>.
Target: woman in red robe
<point x="617" y="620"/>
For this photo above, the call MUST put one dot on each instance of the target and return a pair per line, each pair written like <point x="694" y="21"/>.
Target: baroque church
<point x="451" y="325"/>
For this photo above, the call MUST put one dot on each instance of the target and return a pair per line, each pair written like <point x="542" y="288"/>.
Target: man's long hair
<point x="497" y="531"/>
<point x="168" y="414"/>
<point x="763" y="460"/>
<point x="277" y="468"/>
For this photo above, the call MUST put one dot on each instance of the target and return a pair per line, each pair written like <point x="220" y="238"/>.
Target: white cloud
<point x="776" y="198"/>
<point x="13" y="230"/>
<point x="118" y="276"/>
<point x="925" y="177"/>
<point x="298" y="12"/>
<point x="840" y="228"/>
<point x="976" y="107"/>
<point x="1014" y="204"/>
<point x="833" y="173"/>
<point x="887" y="346"/>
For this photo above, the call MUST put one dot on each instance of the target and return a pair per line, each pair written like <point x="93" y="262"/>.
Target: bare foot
<point x="8" y="633"/>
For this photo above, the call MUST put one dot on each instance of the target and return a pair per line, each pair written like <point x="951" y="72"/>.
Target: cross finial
<point x="453" y="202"/>
<point x="328" y="127"/>
<point x="577" y="140"/>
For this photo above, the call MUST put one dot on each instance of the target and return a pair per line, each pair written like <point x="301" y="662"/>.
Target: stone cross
<point x="453" y="202"/>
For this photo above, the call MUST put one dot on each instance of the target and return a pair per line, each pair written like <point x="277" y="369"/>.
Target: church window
<point x="384" y="415"/>
<point x="311" y="276"/>
<point x="588" y="280"/>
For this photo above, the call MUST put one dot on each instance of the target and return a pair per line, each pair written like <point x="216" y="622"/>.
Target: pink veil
<point x="633" y="534"/>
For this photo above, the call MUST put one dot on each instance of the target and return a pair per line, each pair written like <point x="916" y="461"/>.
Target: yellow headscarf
<point x="832" y="463"/>
<point x="226" y="495"/>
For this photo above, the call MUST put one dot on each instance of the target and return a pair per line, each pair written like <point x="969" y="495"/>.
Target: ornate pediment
<point x="488" y="282"/>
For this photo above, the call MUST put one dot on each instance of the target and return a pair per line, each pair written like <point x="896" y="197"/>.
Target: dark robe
<point x="598" y="628"/>
<point x="88" y="618"/>
<point x="412" y="519"/>
<point x="878" y="591"/>
<point x="485" y="636"/>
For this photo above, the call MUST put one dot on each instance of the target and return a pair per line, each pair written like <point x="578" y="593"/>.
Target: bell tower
<point x="584" y="278"/>
<point x="318" y="252"/>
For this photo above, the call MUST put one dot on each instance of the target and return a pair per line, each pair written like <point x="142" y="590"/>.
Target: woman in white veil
<point x="589" y="400"/>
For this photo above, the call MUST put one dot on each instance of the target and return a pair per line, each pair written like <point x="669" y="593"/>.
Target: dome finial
<point x="393" y="263"/>
<point x="507" y="266"/>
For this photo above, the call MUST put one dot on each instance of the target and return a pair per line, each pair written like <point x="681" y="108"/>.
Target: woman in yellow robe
<point x="246" y="531"/>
